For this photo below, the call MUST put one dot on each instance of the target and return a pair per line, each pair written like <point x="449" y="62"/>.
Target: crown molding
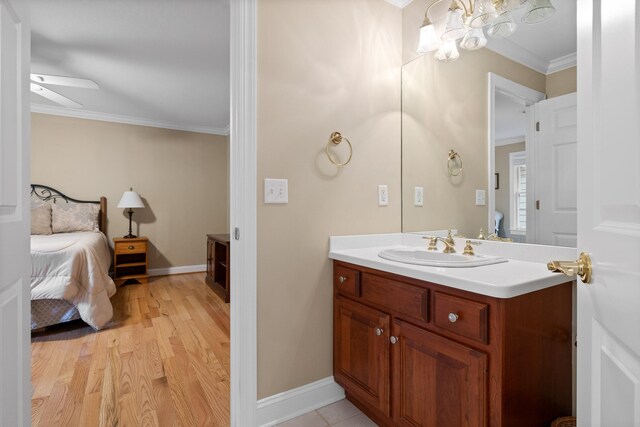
<point x="399" y="3"/>
<point x="509" y="140"/>
<point x="130" y="120"/>
<point x="562" y="63"/>
<point x="517" y="53"/>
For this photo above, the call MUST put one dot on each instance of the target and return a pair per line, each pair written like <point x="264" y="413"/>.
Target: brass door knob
<point x="581" y="267"/>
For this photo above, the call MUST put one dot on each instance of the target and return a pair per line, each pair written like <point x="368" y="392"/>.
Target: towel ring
<point x="454" y="163"/>
<point x="335" y="139"/>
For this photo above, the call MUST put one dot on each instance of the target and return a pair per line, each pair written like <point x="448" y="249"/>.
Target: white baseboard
<point x="177" y="270"/>
<point x="281" y="407"/>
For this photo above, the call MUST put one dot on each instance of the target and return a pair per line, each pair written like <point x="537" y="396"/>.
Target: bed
<point x="70" y="260"/>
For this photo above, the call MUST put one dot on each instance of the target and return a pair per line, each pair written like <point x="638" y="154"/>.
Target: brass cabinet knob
<point x="393" y="339"/>
<point x="131" y="248"/>
<point x="453" y="317"/>
<point x="379" y="331"/>
<point x="342" y="279"/>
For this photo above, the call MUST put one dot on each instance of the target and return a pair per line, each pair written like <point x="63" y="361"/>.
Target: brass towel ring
<point x="335" y="139"/>
<point x="454" y="163"/>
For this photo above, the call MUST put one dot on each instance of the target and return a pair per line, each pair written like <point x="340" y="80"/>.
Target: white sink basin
<point x="437" y="259"/>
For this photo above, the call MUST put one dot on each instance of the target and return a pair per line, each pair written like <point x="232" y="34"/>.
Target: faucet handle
<point x="433" y="243"/>
<point x="481" y="236"/>
<point x="449" y="238"/>
<point x="468" y="249"/>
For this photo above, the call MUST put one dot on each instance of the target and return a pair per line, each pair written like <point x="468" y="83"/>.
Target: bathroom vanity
<point x="427" y="346"/>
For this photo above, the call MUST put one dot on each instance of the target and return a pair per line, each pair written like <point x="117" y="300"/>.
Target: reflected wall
<point x="444" y="106"/>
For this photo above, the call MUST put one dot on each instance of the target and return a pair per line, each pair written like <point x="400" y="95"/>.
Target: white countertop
<point x="524" y="272"/>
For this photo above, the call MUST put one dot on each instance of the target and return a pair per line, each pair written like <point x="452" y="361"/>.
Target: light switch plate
<point x="480" y="198"/>
<point x="383" y="195"/>
<point x="418" y="196"/>
<point x="276" y="190"/>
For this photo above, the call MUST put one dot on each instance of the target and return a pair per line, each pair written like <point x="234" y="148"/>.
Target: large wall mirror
<point x="485" y="106"/>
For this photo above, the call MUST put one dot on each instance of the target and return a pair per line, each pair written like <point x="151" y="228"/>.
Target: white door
<point x="556" y="171"/>
<point x="608" y="381"/>
<point x="15" y="389"/>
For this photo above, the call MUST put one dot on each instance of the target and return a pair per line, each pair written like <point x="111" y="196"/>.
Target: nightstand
<point x="130" y="261"/>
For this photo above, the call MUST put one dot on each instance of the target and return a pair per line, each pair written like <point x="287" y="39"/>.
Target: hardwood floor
<point x="162" y="361"/>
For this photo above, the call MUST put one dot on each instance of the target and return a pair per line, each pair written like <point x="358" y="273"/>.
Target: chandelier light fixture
<point x="449" y="23"/>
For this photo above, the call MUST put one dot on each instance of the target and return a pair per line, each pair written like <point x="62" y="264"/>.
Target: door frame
<point x="243" y="213"/>
<point x="527" y="97"/>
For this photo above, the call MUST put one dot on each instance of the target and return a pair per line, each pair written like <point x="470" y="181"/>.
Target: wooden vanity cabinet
<point x="363" y="362"/>
<point x="414" y="353"/>
<point x="436" y="381"/>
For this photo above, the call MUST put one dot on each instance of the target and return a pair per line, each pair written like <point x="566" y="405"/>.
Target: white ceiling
<point x="162" y="63"/>
<point x="165" y="63"/>
<point x="546" y="47"/>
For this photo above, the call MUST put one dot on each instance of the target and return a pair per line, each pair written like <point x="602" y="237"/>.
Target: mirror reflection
<point x="517" y="182"/>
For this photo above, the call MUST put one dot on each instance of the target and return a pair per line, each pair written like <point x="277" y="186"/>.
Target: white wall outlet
<point x="383" y="195"/>
<point x="418" y="196"/>
<point x="276" y="190"/>
<point x="480" y="198"/>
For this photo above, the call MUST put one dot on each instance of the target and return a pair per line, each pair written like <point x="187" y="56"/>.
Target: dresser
<point x="218" y="269"/>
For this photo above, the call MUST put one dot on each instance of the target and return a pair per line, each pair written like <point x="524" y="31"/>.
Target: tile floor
<point x="339" y="414"/>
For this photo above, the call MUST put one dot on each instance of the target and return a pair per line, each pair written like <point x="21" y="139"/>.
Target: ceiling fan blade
<point x="64" y="81"/>
<point x="55" y="97"/>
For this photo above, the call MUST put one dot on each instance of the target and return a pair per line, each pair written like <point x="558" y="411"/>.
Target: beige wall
<point x="323" y="65"/>
<point x="181" y="176"/>
<point x="562" y="82"/>
<point x="502" y="194"/>
<point x="445" y="107"/>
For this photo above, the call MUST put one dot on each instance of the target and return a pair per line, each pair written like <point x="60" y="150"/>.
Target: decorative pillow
<point x="68" y="217"/>
<point x="41" y="219"/>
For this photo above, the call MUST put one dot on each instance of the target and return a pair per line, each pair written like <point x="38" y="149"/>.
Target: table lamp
<point x="130" y="199"/>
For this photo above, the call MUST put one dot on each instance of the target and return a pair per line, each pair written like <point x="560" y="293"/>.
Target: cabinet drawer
<point x="346" y="280"/>
<point x="461" y="316"/>
<point x="131" y="248"/>
<point x="407" y="301"/>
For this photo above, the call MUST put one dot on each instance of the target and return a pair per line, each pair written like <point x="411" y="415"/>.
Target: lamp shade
<point x="428" y="39"/>
<point x="130" y="199"/>
<point x="538" y="11"/>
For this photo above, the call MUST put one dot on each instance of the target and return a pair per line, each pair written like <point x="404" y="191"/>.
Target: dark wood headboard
<point x="48" y="194"/>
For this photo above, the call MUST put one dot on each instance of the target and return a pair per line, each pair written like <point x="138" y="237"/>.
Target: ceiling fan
<point x="37" y="80"/>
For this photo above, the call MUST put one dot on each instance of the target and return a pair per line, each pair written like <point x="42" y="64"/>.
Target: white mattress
<point x="74" y="267"/>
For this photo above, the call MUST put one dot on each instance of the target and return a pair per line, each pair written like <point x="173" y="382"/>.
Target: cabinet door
<point x="436" y="381"/>
<point x="361" y="353"/>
